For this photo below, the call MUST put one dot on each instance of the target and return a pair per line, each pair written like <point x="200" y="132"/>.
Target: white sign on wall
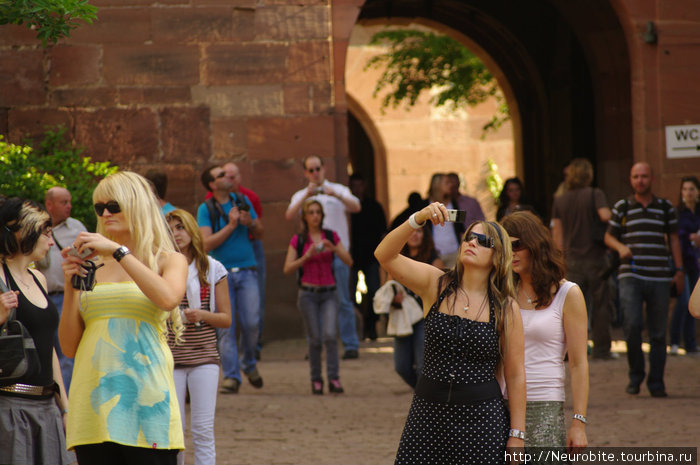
<point x="683" y="141"/>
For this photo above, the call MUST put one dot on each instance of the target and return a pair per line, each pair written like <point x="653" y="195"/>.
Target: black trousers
<point x="110" y="453"/>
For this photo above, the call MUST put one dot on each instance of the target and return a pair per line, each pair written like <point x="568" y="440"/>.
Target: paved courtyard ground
<point x="283" y="424"/>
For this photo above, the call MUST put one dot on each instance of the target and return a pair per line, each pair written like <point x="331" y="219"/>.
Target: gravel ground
<point x="282" y="423"/>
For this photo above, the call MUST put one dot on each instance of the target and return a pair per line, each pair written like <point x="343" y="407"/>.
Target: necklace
<point x="21" y="281"/>
<point x="529" y="299"/>
<point x="481" y="306"/>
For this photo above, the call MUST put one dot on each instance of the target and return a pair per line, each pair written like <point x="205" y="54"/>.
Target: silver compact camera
<point x="319" y="247"/>
<point x="456" y="216"/>
<point x="81" y="255"/>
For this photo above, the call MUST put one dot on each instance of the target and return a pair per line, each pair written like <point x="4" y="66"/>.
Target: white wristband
<point x="581" y="418"/>
<point x="412" y="222"/>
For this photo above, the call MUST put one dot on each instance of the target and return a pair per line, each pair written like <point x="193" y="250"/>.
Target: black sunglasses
<point x="312" y="170"/>
<point x="220" y="175"/>
<point x="112" y="206"/>
<point x="517" y="245"/>
<point x="481" y="239"/>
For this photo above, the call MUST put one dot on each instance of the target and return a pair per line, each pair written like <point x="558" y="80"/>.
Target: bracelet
<point x="64" y="411"/>
<point x="412" y="222"/>
<point x="516" y="433"/>
<point x="581" y="418"/>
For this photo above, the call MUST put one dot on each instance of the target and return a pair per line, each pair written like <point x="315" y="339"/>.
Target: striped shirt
<point x="199" y="346"/>
<point x="644" y="230"/>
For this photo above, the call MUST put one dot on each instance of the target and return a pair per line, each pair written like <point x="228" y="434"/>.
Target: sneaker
<point x="632" y="389"/>
<point x="334" y="386"/>
<point x="674" y="349"/>
<point x="658" y="393"/>
<point x="230" y="386"/>
<point x="255" y="379"/>
<point x="350" y="354"/>
<point x="317" y="387"/>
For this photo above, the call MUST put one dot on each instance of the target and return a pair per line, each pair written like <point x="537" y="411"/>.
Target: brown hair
<point x="305" y="210"/>
<point x="548" y="266"/>
<point x="580" y="174"/>
<point x="426" y="249"/>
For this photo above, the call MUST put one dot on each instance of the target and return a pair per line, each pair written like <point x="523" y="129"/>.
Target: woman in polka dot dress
<point x="473" y="332"/>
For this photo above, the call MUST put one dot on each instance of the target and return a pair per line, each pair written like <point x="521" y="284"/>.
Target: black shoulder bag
<point x="18" y="354"/>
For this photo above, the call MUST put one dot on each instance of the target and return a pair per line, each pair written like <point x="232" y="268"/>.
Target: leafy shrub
<point x="52" y="19"/>
<point x="29" y="172"/>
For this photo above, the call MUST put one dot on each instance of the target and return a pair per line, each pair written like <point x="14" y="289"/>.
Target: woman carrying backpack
<point x="311" y="252"/>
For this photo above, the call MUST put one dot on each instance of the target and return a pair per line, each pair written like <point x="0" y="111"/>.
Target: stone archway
<point x="568" y="67"/>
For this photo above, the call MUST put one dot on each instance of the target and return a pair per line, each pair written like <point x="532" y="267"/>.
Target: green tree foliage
<point x="417" y="61"/>
<point x="52" y="19"/>
<point x="29" y="172"/>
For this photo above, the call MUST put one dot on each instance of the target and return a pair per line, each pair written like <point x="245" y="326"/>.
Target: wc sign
<point x="683" y="141"/>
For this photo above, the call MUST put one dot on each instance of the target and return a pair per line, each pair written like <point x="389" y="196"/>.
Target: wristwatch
<point x="516" y="433"/>
<point x="120" y="253"/>
<point x="680" y="268"/>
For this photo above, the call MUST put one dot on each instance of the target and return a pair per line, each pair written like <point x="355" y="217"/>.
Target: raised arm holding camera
<point x="473" y="333"/>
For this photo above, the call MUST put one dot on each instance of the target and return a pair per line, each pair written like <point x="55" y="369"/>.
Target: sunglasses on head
<point x="481" y="239"/>
<point x="314" y="170"/>
<point x="517" y="245"/>
<point x="112" y="206"/>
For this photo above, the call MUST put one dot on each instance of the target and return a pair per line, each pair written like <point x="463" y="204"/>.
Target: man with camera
<point x="64" y="231"/>
<point x="337" y="202"/>
<point x="226" y="220"/>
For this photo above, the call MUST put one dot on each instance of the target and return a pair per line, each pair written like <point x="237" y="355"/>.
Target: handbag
<point x="18" y="355"/>
<point x="598" y="228"/>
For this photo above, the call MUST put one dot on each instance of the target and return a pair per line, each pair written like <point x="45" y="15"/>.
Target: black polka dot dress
<point x="448" y="433"/>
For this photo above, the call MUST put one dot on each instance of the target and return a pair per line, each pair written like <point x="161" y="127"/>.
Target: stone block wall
<point x="182" y="84"/>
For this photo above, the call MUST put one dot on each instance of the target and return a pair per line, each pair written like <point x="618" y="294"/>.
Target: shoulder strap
<point x="213" y="213"/>
<point x="301" y="240"/>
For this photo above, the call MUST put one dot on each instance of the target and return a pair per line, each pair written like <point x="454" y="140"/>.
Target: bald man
<point x="639" y="230"/>
<point x="65" y="229"/>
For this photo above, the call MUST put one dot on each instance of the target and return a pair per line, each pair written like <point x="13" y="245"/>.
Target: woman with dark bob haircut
<point x="554" y="320"/>
<point x="31" y="428"/>
<point x="473" y="333"/>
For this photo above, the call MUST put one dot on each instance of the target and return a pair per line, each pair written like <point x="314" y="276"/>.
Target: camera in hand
<point x="76" y="253"/>
<point x="87" y="282"/>
<point x="241" y="203"/>
<point x="318" y="190"/>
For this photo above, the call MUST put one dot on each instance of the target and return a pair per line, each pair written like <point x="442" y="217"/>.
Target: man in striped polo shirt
<point x="641" y="230"/>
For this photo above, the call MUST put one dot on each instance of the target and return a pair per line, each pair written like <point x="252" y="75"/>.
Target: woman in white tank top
<point x="554" y="322"/>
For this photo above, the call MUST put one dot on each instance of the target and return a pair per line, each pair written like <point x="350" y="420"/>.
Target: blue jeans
<point x="320" y="312"/>
<point x="245" y="306"/>
<point x="633" y="293"/>
<point x="408" y="354"/>
<point x="346" y="313"/>
<point x="259" y="252"/>
<point x="65" y="362"/>
<point x="682" y="321"/>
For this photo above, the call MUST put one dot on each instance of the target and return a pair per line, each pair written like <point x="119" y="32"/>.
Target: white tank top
<point x="545" y="346"/>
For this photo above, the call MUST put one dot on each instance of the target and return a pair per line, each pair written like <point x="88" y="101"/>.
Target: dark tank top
<point x="41" y="324"/>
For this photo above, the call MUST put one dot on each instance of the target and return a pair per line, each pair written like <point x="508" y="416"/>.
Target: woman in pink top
<point x="554" y="321"/>
<point x="311" y="252"/>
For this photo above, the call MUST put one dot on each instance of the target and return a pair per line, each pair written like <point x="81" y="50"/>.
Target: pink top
<point x="545" y="346"/>
<point x="318" y="270"/>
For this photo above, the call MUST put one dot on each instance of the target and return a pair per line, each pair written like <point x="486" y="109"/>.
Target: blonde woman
<point x="124" y="405"/>
<point x="205" y="307"/>
<point x="473" y="332"/>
